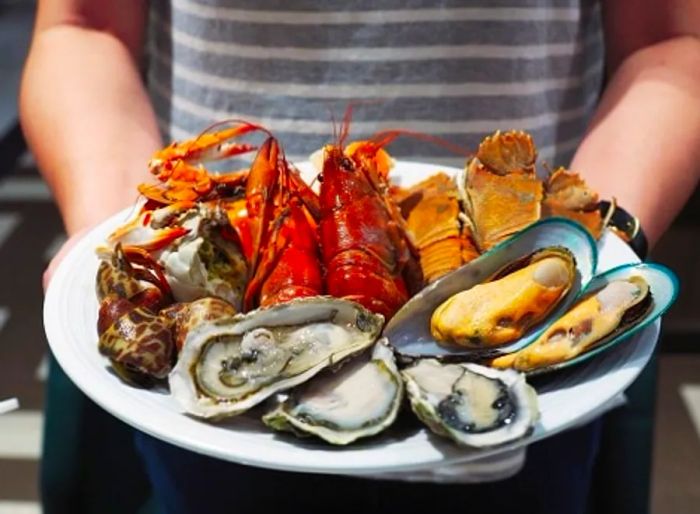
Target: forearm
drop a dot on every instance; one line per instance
(643, 146)
(88, 120)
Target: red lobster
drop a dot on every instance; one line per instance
(367, 253)
(281, 209)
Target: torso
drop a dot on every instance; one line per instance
(458, 69)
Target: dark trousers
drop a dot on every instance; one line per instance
(90, 466)
(555, 480)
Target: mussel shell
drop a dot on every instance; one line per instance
(409, 330)
(663, 287)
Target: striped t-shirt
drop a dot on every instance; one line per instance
(458, 69)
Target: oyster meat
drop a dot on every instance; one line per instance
(360, 399)
(473, 405)
(228, 366)
(504, 308)
(593, 320)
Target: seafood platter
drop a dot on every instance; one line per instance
(325, 310)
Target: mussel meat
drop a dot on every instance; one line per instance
(502, 309)
(592, 321)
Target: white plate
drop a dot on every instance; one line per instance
(70, 316)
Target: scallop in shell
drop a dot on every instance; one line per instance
(360, 399)
(226, 367)
(471, 404)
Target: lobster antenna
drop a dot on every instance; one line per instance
(345, 126)
(334, 125)
(547, 168)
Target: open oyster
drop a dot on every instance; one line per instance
(502, 309)
(360, 399)
(614, 304)
(409, 331)
(471, 404)
(227, 367)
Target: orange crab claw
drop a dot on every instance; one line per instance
(205, 147)
(167, 194)
(140, 234)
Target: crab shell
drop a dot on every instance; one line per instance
(202, 263)
(500, 189)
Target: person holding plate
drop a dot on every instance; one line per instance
(608, 88)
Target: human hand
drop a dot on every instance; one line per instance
(60, 255)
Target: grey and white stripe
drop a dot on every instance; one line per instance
(456, 69)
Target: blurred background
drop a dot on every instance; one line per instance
(30, 233)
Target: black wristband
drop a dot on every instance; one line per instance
(626, 226)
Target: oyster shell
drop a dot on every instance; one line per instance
(615, 305)
(409, 330)
(503, 308)
(471, 404)
(227, 367)
(360, 399)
